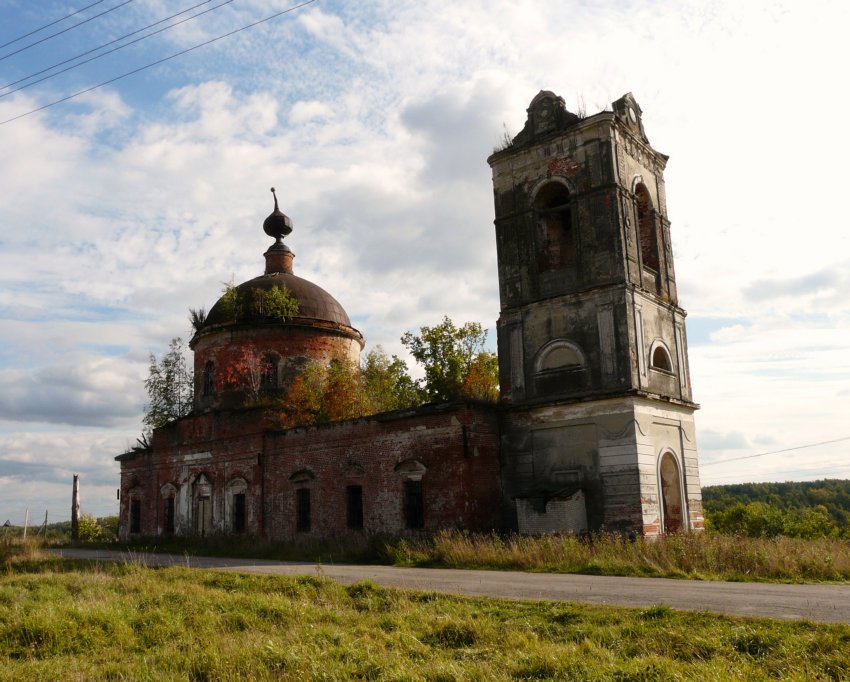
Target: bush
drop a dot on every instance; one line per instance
(89, 528)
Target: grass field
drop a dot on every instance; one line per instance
(61, 620)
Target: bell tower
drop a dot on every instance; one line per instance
(593, 361)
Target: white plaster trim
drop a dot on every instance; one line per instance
(658, 343)
(554, 345)
(194, 456)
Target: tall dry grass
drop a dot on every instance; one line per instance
(16, 550)
(693, 555)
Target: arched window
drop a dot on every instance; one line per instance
(202, 494)
(646, 226)
(237, 508)
(136, 494)
(209, 378)
(556, 248)
(168, 492)
(268, 379)
(659, 357)
(413, 500)
(559, 355)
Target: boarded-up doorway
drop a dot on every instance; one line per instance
(671, 493)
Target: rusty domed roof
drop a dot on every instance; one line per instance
(314, 303)
(247, 304)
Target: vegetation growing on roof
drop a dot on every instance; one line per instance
(240, 304)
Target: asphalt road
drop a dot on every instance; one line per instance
(823, 603)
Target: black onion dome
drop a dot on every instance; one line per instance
(314, 303)
(278, 224)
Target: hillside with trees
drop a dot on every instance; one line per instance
(806, 509)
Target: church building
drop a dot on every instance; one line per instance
(594, 429)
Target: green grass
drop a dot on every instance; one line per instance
(66, 621)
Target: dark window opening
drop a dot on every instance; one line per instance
(556, 248)
(239, 513)
(647, 227)
(209, 378)
(661, 359)
(268, 378)
(354, 506)
(135, 516)
(168, 525)
(414, 512)
(302, 504)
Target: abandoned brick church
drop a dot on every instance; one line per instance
(594, 429)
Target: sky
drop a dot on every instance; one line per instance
(127, 205)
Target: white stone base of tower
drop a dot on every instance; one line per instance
(631, 460)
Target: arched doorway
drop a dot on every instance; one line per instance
(203, 505)
(671, 494)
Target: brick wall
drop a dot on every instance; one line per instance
(450, 449)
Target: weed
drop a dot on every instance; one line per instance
(655, 612)
(452, 636)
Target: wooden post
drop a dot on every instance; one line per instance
(26, 522)
(75, 509)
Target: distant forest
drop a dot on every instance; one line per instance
(800, 509)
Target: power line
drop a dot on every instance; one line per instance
(52, 23)
(114, 49)
(64, 30)
(774, 452)
(158, 61)
(819, 471)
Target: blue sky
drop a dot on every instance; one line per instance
(123, 208)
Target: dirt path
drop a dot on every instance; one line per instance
(824, 603)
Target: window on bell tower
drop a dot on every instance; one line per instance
(556, 247)
(646, 226)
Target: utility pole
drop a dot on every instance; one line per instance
(75, 509)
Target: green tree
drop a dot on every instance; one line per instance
(170, 387)
(447, 354)
(386, 383)
(809, 523)
(754, 520)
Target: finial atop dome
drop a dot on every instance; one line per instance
(278, 224)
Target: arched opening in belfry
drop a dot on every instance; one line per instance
(671, 494)
(556, 247)
(646, 226)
